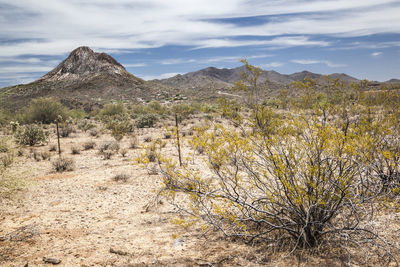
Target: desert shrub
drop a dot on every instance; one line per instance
(85, 125)
(133, 142)
(121, 177)
(151, 156)
(20, 152)
(94, 132)
(77, 113)
(75, 150)
(6, 159)
(62, 164)
(89, 145)
(36, 155)
(123, 152)
(52, 147)
(45, 155)
(113, 109)
(303, 190)
(5, 117)
(108, 148)
(4, 146)
(66, 129)
(147, 139)
(146, 121)
(10, 184)
(153, 107)
(30, 134)
(184, 111)
(119, 126)
(109, 145)
(379, 150)
(45, 110)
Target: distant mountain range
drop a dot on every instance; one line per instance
(87, 79)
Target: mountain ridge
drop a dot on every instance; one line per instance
(87, 79)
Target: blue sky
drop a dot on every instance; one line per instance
(160, 38)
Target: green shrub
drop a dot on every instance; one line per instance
(63, 164)
(85, 125)
(146, 121)
(119, 128)
(113, 109)
(184, 111)
(30, 134)
(45, 110)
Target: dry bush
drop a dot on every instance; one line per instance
(66, 129)
(52, 147)
(62, 164)
(94, 132)
(133, 142)
(6, 159)
(89, 145)
(123, 152)
(75, 150)
(121, 178)
(109, 145)
(10, 184)
(37, 155)
(151, 156)
(45, 155)
(108, 148)
(4, 146)
(147, 139)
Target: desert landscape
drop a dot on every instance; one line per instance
(199, 133)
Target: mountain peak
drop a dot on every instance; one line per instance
(83, 63)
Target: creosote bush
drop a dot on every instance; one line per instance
(147, 120)
(45, 110)
(62, 164)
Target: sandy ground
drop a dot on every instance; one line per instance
(84, 218)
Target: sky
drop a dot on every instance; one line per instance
(162, 38)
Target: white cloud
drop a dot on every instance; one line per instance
(161, 76)
(376, 54)
(210, 60)
(272, 65)
(134, 65)
(312, 61)
(56, 27)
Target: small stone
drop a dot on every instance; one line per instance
(51, 260)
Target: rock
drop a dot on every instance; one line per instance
(51, 260)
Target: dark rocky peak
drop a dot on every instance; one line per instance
(84, 63)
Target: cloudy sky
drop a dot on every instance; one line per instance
(160, 38)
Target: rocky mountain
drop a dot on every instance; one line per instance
(223, 78)
(87, 79)
(84, 79)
